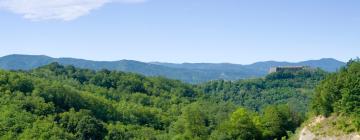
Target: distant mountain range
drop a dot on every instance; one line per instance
(188, 72)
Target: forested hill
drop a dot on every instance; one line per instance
(65, 102)
(337, 101)
(187, 72)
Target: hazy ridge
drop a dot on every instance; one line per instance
(187, 72)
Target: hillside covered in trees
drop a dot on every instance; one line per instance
(277, 88)
(338, 99)
(64, 102)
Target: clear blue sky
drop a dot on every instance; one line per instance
(236, 31)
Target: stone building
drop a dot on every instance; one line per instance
(286, 68)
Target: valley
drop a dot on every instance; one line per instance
(64, 102)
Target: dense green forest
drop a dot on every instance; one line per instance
(277, 88)
(64, 102)
(338, 97)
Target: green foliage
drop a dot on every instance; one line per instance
(119, 131)
(240, 126)
(64, 102)
(278, 120)
(45, 129)
(273, 123)
(259, 93)
(339, 94)
(194, 123)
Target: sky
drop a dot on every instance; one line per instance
(214, 31)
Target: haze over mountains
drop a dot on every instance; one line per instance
(188, 72)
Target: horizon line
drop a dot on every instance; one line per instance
(152, 62)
